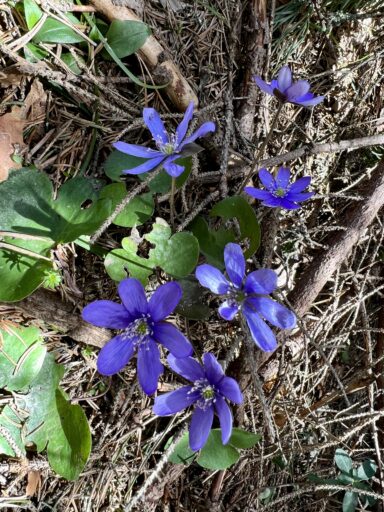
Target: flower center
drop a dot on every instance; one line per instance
(168, 148)
(140, 330)
(207, 393)
(280, 192)
(235, 297)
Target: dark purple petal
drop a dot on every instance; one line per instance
(146, 166)
(133, 297)
(267, 180)
(205, 128)
(200, 427)
(164, 300)
(174, 401)
(284, 79)
(300, 184)
(263, 85)
(172, 339)
(105, 313)
(282, 178)
(229, 388)
(275, 313)
(115, 355)
(212, 368)
(234, 263)
(297, 89)
(173, 169)
(135, 150)
(261, 333)
(155, 125)
(257, 193)
(288, 205)
(225, 418)
(228, 310)
(187, 367)
(300, 196)
(149, 367)
(181, 130)
(210, 277)
(262, 281)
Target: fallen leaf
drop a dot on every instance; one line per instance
(11, 138)
(33, 483)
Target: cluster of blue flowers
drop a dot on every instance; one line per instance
(142, 322)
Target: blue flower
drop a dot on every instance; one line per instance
(280, 192)
(142, 324)
(170, 147)
(209, 389)
(288, 92)
(248, 296)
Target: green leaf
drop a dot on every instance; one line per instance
(117, 162)
(350, 501)
(12, 424)
(211, 241)
(182, 453)
(345, 479)
(343, 461)
(243, 439)
(33, 53)
(54, 31)
(237, 207)
(127, 37)
(21, 357)
(366, 470)
(190, 305)
(70, 61)
(214, 455)
(177, 255)
(161, 184)
(136, 212)
(55, 424)
(32, 13)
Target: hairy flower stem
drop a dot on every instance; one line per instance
(172, 202)
(260, 152)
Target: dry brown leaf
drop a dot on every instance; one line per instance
(11, 135)
(33, 483)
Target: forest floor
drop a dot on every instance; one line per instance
(323, 388)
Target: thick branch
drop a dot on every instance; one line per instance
(153, 54)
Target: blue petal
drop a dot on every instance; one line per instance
(297, 89)
(212, 368)
(164, 300)
(261, 333)
(187, 367)
(225, 418)
(262, 281)
(229, 388)
(284, 79)
(133, 296)
(173, 169)
(149, 367)
(267, 180)
(263, 85)
(210, 277)
(105, 313)
(172, 339)
(155, 125)
(310, 102)
(263, 195)
(300, 196)
(135, 150)
(275, 313)
(173, 402)
(288, 205)
(146, 166)
(228, 310)
(200, 427)
(181, 130)
(234, 263)
(300, 184)
(115, 355)
(282, 178)
(200, 132)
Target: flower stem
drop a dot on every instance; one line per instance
(172, 202)
(260, 152)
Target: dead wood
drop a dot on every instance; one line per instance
(163, 69)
